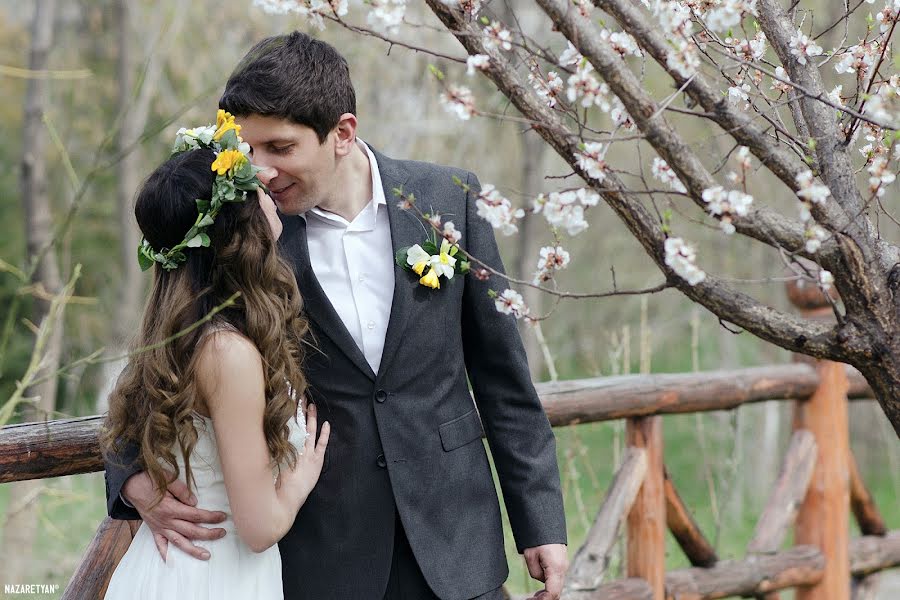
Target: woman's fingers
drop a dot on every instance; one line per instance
(323, 438)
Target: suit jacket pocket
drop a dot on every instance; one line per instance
(461, 430)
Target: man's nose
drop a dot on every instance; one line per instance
(267, 175)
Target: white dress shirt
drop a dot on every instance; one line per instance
(354, 263)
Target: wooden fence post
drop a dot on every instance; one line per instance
(646, 524)
(824, 517)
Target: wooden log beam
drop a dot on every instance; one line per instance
(592, 559)
(866, 512)
(626, 396)
(50, 449)
(621, 589)
(646, 523)
(685, 529)
(109, 545)
(758, 574)
(870, 554)
(824, 516)
(33, 450)
(790, 490)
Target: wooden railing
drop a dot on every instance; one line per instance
(818, 487)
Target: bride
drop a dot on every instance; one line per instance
(213, 401)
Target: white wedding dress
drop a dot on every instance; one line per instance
(233, 571)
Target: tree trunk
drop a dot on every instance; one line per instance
(129, 296)
(20, 527)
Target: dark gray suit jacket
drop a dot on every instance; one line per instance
(408, 438)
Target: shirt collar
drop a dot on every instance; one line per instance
(368, 216)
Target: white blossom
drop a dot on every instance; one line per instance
(681, 258)
(685, 59)
(553, 258)
(570, 56)
(458, 101)
(749, 50)
(810, 190)
(803, 47)
(510, 302)
(835, 95)
(584, 85)
(728, 14)
(815, 235)
(497, 210)
(889, 14)
(311, 10)
(662, 171)
(550, 89)
(726, 205)
(858, 58)
(619, 114)
(450, 233)
(477, 61)
(825, 279)
(736, 93)
(566, 209)
(495, 35)
(778, 84)
(590, 160)
(879, 176)
(386, 15)
(621, 42)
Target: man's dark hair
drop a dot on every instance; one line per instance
(294, 77)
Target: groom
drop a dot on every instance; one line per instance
(406, 505)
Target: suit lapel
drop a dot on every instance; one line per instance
(316, 304)
(406, 230)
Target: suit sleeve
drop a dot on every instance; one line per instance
(119, 467)
(522, 443)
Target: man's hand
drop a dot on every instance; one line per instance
(174, 519)
(548, 564)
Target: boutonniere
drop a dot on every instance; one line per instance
(431, 262)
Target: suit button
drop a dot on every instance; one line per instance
(380, 461)
(380, 396)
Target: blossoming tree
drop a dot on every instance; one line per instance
(823, 123)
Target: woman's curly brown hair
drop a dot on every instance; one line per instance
(155, 397)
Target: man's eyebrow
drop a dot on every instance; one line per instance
(278, 141)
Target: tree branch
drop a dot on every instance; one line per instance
(787, 331)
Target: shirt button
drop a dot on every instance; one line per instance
(371, 325)
(361, 277)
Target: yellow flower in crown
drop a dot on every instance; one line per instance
(228, 161)
(440, 261)
(225, 123)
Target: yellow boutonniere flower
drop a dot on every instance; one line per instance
(443, 263)
(431, 280)
(228, 160)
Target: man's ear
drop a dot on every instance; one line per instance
(345, 134)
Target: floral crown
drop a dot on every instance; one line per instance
(235, 176)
